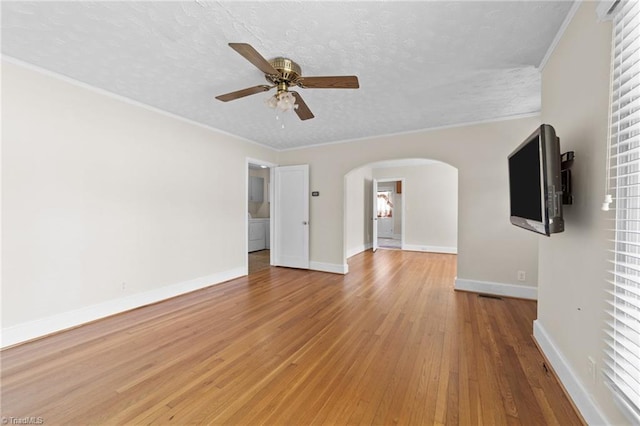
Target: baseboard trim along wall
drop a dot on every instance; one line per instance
(430, 249)
(571, 383)
(38, 328)
(497, 289)
(329, 267)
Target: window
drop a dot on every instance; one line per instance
(623, 327)
(385, 206)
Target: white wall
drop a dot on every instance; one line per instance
(571, 303)
(430, 197)
(358, 187)
(107, 205)
(97, 192)
(490, 249)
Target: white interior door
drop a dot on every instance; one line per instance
(374, 213)
(290, 241)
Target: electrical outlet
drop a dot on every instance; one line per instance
(522, 276)
(591, 368)
(124, 286)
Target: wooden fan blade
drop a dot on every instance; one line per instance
(333, 82)
(242, 93)
(252, 55)
(303, 110)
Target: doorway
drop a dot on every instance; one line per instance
(389, 212)
(258, 216)
(277, 218)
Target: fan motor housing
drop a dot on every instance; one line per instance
(289, 71)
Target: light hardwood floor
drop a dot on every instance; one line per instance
(389, 343)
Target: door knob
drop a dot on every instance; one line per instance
(305, 223)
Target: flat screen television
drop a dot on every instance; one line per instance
(535, 183)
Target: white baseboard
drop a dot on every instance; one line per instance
(41, 327)
(572, 384)
(497, 289)
(329, 267)
(430, 249)
(359, 249)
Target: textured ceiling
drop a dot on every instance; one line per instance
(420, 64)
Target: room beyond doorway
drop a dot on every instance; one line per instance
(388, 213)
(389, 243)
(259, 210)
(259, 261)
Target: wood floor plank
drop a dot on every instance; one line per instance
(389, 343)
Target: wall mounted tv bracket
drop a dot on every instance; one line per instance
(566, 161)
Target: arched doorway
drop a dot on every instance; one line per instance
(428, 196)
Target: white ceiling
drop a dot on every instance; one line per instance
(420, 64)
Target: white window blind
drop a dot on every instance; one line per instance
(623, 327)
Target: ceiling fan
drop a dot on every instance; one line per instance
(283, 73)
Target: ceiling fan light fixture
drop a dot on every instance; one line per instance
(283, 101)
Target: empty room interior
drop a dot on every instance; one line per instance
(291, 213)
